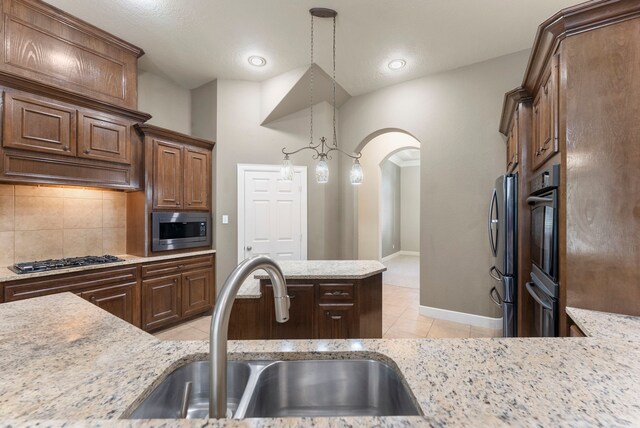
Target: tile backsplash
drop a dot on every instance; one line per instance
(39, 222)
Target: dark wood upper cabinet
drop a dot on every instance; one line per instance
(103, 137)
(513, 146)
(167, 175)
(545, 117)
(197, 178)
(35, 124)
(51, 47)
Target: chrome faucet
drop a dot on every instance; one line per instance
(220, 324)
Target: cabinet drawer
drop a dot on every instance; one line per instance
(39, 125)
(335, 292)
(26, 289)
(176, 266)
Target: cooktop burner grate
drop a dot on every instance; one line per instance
(52, 264)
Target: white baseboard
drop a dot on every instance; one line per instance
(461, 317)
(398, 254)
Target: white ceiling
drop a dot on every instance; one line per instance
(195, 41)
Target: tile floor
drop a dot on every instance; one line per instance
(400, 319)
(403, 271)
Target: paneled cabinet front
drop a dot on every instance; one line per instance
(197, 287)
(197, 178)
(336, 321)
(301, 313)
(162, 299)
(545, 116)
(120, 300)
(104, 138)
(167, 175)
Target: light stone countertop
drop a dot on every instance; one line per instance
(605, 324)
(8, 275)
(313, 269)
(68, 363)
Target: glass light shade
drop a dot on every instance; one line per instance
(322, 171)
(356, 173)
(286, 170)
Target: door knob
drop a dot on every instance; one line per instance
(249, 248)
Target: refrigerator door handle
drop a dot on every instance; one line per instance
(493, 273)
(536, 297)
(495, 297)
(491, 222)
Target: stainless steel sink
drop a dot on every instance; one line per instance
(165, 402)
(329, 388)
(285, 388)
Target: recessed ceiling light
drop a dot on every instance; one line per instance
(257, 61)
(397, 64)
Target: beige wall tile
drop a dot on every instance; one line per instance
(6, 213)
(6, 248)
(81, 193)
(82, 242)
(82, 213)
(33, 245)
(113, 194)
(6, 190)
(38, 213)
(47, 191)
(114, 241)
(114, 213)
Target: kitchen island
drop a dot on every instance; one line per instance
(330, 299)
(66, 362)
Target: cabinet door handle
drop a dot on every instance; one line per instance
(336, 293)
(187, 278)
(86, 152)
(175, 281)
(177, 203)
(292, 296)
(92, 299)
(333, 317)
(65, 148)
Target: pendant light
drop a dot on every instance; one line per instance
(322, 149)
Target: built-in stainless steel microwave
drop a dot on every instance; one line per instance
(178, 230)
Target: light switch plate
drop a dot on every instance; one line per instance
(225, 219)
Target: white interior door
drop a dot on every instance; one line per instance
(272, 213)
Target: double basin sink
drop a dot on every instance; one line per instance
(270, 389)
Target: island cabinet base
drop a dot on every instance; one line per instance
(320, 309)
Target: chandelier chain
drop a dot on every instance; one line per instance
(335, 137)
(311, 89)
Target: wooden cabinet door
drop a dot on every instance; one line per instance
(513, 145)
(120, 300)
(197, 178)
(161, 299)
(105, 138)
(545, 116)
(31, 123)
(167, 175)
(197, 292)
(301, 313)
(336, 321)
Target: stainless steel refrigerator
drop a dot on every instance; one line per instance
(503, 240)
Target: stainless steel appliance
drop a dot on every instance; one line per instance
(544, 288)
(503, 239)
(178, 230)
(53, 264)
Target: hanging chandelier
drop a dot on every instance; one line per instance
(322, 150)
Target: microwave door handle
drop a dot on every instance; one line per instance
(536, 297)
(492, 205)
(532, 200)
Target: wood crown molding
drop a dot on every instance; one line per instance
(156, 131)
(572, 20)
(511, 101)
(61, 15)
(37, 88)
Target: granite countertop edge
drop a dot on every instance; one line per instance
(605, 324)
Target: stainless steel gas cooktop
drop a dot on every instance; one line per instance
(52, 264)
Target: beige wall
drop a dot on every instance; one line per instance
(368, 223)
(410, 208)
(38, 222)
(455, 116)
(168, 102)
(241, 140)
(390, 204)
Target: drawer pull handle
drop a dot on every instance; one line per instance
(92, 299)
(333, 317)
(86, 152)
(65, 148)
(336, 293)
(292, 296)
